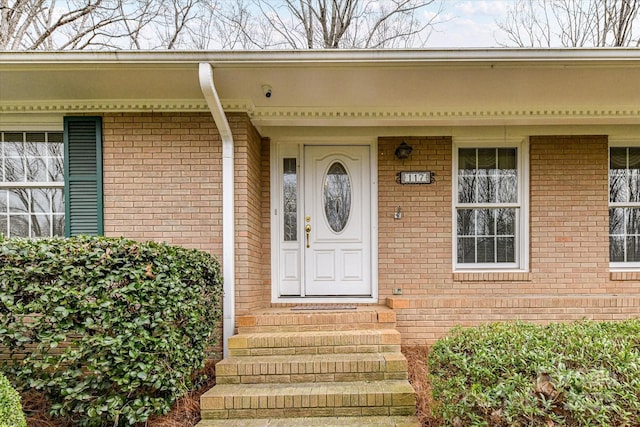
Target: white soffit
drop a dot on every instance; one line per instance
(339, 88)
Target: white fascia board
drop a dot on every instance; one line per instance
(311, 57)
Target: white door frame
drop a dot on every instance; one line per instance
(294, 148)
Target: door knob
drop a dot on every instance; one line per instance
(307, 229)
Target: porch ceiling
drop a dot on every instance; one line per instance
(338, 88)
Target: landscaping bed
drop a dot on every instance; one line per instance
(505, 374)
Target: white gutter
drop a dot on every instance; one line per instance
(306, 58)
(207, 85)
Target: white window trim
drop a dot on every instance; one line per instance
(620, 142)
(522, 220)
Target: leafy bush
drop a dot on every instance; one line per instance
(112, 329)
(519, 374)
(10, 410)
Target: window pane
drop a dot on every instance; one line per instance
(616, 248)
(19, 201)
(616, 221)
(618, 190)
(506, 222)
(18, 225)
(40, 225)
(633, 221)
(466, 222)
(57, 200)
(13, 169)
(486, 188)
(634, 174)
(290, 190)
(506, 249)
(633, 248)
(35, 137)
(58, 225)
(507, 159)
(467, 187)
(13, 149)
(467, 159)
(55, 137)
(41, 200)
(36, 169)
(634, 157)
(4, 201)
(13, 137)
(466, 250)
(3, 225)
(487, 159)
(55, 168)
(337, 196)
(507, 186)
(485, 222)
(486, 249)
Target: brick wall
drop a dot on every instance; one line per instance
(569, 269)
(163, 179)
(163, 182)
(252, 261)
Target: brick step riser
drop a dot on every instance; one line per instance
(338, 399)
(321, 368)
(368, 421)
(306, 378)
(314, 319)
(308, 340)
(314, 327)
(309, 412)
(283, 351)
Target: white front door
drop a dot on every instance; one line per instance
(337, 221)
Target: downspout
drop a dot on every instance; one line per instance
(228, 220)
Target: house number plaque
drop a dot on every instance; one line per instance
(415, 177)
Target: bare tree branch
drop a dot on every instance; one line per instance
(572, 23)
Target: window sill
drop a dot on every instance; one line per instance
(495, 276)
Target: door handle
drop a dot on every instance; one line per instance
(307, 229)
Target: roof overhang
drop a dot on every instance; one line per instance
(400, 88)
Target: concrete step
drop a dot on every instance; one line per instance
(380, 421)
(288, 319)
(312, 368)
(343, 399)
(317, 342)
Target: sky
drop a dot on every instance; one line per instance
(469, 23)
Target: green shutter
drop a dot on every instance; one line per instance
(83, 175)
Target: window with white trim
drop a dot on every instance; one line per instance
(31, 184)
(489, 211)
(624, 206)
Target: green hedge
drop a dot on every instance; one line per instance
(113, 329)
(519, 374)
(11, 414)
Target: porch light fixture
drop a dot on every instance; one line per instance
(403, 151)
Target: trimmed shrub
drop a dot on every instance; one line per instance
(111, 329)
(11, 414)
(520, 374)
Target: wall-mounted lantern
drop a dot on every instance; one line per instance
(403, 151)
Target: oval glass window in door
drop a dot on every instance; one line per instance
(337, 196)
